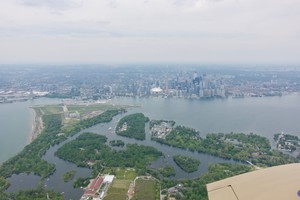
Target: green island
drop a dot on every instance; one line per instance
(91, 148)
(186, 163)
(116, 143)
(132, 126)
(236, 146)
(167, 171)
(54, 131)
(68, 176)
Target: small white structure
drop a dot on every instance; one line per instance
(156, 90)
(102, 195)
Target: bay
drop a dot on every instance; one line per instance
(16, 124)
(264, 116)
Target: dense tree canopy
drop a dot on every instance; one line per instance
(186, 163)
(237, 146)
(132, 126)
(91, 147)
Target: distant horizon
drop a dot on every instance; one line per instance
(183, 65)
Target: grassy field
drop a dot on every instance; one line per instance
(50, 109)
(144, 189)
(85, 109)
(119, 188)
(126, 174)
(82, 109)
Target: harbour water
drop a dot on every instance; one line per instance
(264, 116)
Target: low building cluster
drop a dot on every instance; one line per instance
(161, 130)
(286, 142)
(98, 187)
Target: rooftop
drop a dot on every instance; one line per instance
(109, 178)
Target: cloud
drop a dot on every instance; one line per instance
(53, 4)
(185, 2)
(226, 28)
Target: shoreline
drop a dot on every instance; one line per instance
(37, 125)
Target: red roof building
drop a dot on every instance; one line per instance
(94, 186)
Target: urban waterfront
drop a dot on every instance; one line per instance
(264, 116)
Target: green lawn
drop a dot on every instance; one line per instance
(127, 173)
(144, 189)
(115, 197)
(119, 188)
(50, 109)
(85, 109)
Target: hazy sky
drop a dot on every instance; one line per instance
(101, 31)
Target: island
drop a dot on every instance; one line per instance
(68, 176)
(186, 163)
(132, 126)
(91, 148)
(250, 148)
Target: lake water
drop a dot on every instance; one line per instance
(16, 124)
(264, 116)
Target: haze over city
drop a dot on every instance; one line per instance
(115, 31)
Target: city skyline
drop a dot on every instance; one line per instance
(194, 31)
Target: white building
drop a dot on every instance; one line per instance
(108, 179)
(156, 91)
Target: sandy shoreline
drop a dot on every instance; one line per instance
(37, 125)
